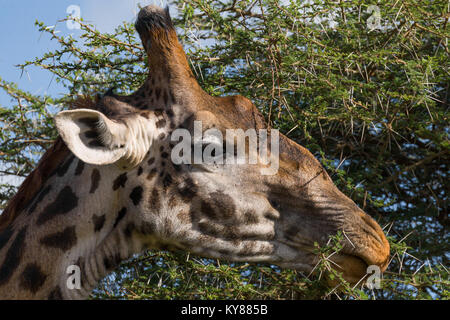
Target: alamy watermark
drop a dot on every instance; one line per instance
(74, 13)
(374, 21)
(374, 280)
(74, 279)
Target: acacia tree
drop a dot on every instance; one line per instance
(364, 86)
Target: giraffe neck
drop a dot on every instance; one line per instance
(167, 86)
(70, 222)
(169, 68)
(75, 219)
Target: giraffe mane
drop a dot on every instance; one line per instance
(49, 162)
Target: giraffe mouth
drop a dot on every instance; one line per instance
(355, 261)
(355, 268)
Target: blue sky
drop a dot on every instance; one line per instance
(22, 41)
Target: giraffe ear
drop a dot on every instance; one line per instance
(92, 136)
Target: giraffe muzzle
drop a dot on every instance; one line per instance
(366, 247)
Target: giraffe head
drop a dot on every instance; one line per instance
(232, 211)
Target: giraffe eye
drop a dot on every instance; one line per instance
(275, 204)
(210, 149)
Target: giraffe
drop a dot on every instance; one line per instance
(107, 189)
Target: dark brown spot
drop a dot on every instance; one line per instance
(188, 190)
(13, 257)
(207, 208)
(161, 136)
(139, 172)
(120, 181)
(32, 278)
(151, 161)
(136, 195)
(161, 123)
(164, 155)
(98, 221)
(64, 203)
(218, 206)
(95, 180)
(63, 240)
(250, 217)
(145, 115)
(167, 181)
(79, 168)
(120, 216)
(64, 167)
